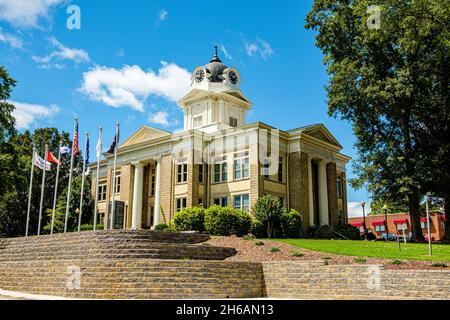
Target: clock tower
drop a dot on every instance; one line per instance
(215, 101)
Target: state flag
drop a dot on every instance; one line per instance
(40, 163)
(51, 157)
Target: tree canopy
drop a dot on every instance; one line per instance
(391, 83)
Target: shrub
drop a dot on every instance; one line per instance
(291, 224)
(191, 219)
(324, 232)
(297, 254)
(226, 221)
(268, 211)
(439, 265)
(275, 249)
(249, 237)
(258, 229)
(164, 227)
(259, 243)
(86, 227)
(397, 262)
(359, 260)
(311, 232)
(349, 231)
(100, 226)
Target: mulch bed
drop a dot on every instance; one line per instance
(249, 251)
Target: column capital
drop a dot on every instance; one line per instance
(157, 159)
(138, 164)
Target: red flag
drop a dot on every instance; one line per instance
(75, 140)
(51, 157)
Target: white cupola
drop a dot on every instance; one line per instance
(215, 101)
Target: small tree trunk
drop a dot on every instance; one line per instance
(414, 211)
(269, 230)
(447, 216)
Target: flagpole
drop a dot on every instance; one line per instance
(42, 190)
(99, 151)
(70, 181)
(82, 181)
(56, 187)
(29, 192)
(114, 176)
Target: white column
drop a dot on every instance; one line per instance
(310, 193)
(157, 193)
(323, 193)
(136, 216)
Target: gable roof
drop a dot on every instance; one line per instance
(145, 133)
(318, 131)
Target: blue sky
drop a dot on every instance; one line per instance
(62, 73)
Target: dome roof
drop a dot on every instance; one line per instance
(216, 68)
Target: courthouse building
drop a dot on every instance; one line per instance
(221, 159)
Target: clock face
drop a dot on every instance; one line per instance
(199, 76)
(233, 77)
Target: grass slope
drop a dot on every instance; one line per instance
(379, 249)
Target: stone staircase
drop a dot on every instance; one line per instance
(142, 264)
(299, 280)
(112, 245)
(122, 264)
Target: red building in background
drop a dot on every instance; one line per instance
(395, 222)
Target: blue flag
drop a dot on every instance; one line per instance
(86, 157)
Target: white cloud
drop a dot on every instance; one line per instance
(163, 15)
(26, 113)
(131, 86)
(355, 209)
(159, 117)
(11, 40)
(260, 48)
(62, 53)
(26, 13)
(225, 52)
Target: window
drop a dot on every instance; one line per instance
(201, 173)
(233, 122)
(182, 172)
(241, 166)
(424, 225)
(221, 171)
(361, 229)
(223, 202)
(379, 228)
(282, 201)
(401, 226)
(339, 187)
(198, 121)
(152, 191)
(101, 191)
(117, 183)
(200, 202)
(266, 168)
(280, 169)
(241, 202)
(101, 217)
(180, 204)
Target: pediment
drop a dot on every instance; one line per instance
(322, 133)
(145, 133)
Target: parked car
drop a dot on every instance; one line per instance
(390, 237)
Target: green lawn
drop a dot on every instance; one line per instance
(379, 249)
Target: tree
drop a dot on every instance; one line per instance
(14, 200)
(268, 211)
(384, 82)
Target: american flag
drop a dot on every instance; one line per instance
(75, 140)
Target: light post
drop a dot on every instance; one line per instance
(386, 230)
(430, 251)
(363, 205)
(77, 211)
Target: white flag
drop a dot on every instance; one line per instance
(99, 148)
(39, 162)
